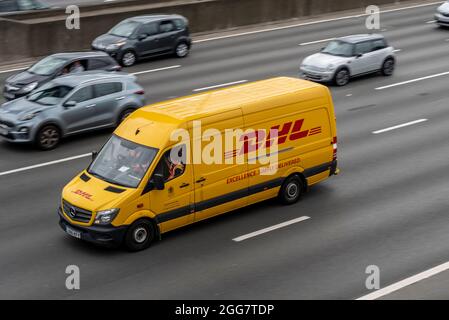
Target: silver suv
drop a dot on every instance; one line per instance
(69, 105)
(348, 57)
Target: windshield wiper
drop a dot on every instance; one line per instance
(107, 180)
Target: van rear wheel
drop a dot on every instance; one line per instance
(291, 190)
(140, 235)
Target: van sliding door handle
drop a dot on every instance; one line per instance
(201, 180)
(184, 185)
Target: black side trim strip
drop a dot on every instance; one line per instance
(318, 169)
(84, 177)
(114, 189)
(173, 214)
(206, 204)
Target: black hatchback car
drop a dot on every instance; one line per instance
(146, 36)
(53, 66)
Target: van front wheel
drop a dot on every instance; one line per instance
(140, 235)
(291, 190)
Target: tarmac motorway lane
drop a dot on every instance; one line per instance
(386, 208)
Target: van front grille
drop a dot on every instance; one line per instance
(76, 213)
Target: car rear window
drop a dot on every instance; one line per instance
(166, 26)
(180, 24)
(379, 44)
(104, 89)
(98, 63)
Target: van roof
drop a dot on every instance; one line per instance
(203, 104)
(153, 125)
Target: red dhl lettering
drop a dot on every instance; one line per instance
(83, 194)
(255, 140)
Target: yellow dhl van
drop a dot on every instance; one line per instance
(144, 182)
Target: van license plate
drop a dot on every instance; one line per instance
(73, 233)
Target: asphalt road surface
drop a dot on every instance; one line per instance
(388, 207)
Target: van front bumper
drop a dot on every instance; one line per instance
(103, 235)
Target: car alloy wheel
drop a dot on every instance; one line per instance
(182, 50)
(342, 77)
(48, 137)
(388, 67)
(128, 59)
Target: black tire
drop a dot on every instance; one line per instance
(125, 114)
(182, 50)
(291, 190)
(139, 235)
(388, 67)
(341, 77)
(48, 137)
(128, 58)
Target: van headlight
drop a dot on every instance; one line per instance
(30, 87)
(106, 216)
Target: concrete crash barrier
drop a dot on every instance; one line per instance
(41, 33)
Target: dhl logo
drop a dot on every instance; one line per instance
(257, 139)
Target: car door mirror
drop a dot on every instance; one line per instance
(70, 104)
(94, 155)
(157, 181)
(359, 55)
(142, 36)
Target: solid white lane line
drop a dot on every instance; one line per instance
(265, 230)
(12, 70)
(155, 70)
(312, 23)
(413, 80)
(4, 173)
(406, 282)
(431, 21)
(399, 126)
(397, 50)
(220, 85)
(314, 42)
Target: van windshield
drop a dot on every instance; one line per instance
(122, 162)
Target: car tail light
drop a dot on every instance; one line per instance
(334, 147)
(140, 92)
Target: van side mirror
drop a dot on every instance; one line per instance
(359, 55)
(157, 182)
(70, 104)
(94, 155)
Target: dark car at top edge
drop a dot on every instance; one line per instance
(146, 36)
